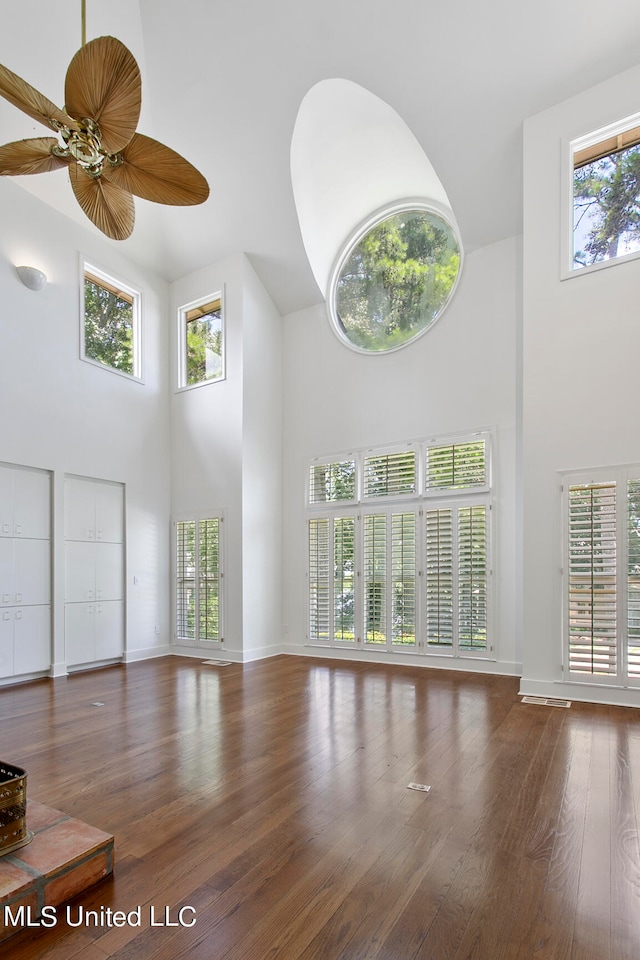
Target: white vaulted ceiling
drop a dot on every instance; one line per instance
(223, 81)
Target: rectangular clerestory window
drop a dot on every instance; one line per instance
(111, 323)
(201, 353)
(605, 170)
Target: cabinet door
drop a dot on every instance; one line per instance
(109, 512)
(109, 630)
(6, 501)
(79, 509)
(32, 640)
(79, 626)
(7, 572)
(32, 504)
(32, 571)
(80, 573)
(6, 643)
(109, 572)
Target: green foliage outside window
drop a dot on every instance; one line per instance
(108, 327)
(606, 204)
(204, 347)
(397, 280)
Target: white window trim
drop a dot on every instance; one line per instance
(89, 266)
(198, 643)
(181, 352)
(569, 148)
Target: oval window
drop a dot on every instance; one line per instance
(394, 279)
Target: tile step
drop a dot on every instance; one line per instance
(64, 858)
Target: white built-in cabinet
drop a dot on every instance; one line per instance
(25, 571)
(94, 570)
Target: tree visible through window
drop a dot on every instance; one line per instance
(606, 199)
(110, 323)
(396, 280)
(202, 347)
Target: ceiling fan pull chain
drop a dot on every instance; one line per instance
(84, 22)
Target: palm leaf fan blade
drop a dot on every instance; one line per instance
(26, 98)
(106, 205)
(155, 172)
(30, 156)
(103, 84)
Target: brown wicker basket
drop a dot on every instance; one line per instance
(13, 808)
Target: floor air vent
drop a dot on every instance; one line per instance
(547, 701)
(216, 663)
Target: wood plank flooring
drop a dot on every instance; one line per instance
(272, 798)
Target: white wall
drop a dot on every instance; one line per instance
(68, 416)
(226, 452)
(581, 342)
(262, 471)
(460, 376)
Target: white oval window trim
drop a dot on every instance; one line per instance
(372, 221)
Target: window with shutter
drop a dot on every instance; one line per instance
(390, 474)
(381, 577)
(319, 580)
(198, 582)
(456, 466)
(592, 579)
(332, 482)
(456, 577)
(602, 574)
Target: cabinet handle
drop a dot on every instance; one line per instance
(5, 528)
(99, 534)
(18, 614)
(89, 594)
(18, 528)
(6, 615)
(6, 597)
(89, 534)
(18, 598)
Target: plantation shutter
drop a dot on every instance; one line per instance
(592, 579)
(375, 578)
(439, 577)
(209, 580)
(319, 580)
(332, 482)
(456, 466)
(186, 580)
(403, 579)
(343, 578)
(472, 576)
(633, 579)
(390, 474)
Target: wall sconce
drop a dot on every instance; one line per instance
(31, 277)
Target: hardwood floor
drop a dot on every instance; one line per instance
(272, 798)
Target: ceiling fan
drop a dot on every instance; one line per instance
(108, 162)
